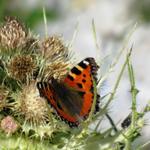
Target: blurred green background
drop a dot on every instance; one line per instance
(29, 12)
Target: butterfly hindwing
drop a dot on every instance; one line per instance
(66, 101)
(67, 97)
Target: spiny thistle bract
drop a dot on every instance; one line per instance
(26, 119)
(3, 97)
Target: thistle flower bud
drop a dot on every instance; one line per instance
(12, 34)
(57, 70)
(32, 106)
(53, 48)
(21, 67)
(56, 55)
(9, 125)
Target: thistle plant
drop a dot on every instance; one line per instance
(27, 121)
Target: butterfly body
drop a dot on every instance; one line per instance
(73, 97)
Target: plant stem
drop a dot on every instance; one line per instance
(128, 145)
(45, 22)
(111, 122)
(74, 35)
(97, 46)
(144, 145)
(118, 79)
(134, 92)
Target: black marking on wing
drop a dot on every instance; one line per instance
(81, 93)
(97, 107)
(79, 85)
(59, 106)
(40, 87)
(83, 65)
(84, 75)
(94, 67)
(83, 80)
(70, 77)
(92, 89)
(76, 71)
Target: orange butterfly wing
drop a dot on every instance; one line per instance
(79, 78)
(48, 93)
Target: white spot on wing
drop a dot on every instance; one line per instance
(39, 85)
(85, 62)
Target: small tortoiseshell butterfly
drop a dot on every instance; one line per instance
(72, 98)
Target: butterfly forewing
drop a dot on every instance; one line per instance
(81, 78)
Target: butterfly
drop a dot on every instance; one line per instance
(73, 97)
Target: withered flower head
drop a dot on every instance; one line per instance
(12, 34)
(57, 70)
(56, 54)
(32, 106)
(21, 67)
(53, 48)
(9, 125)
